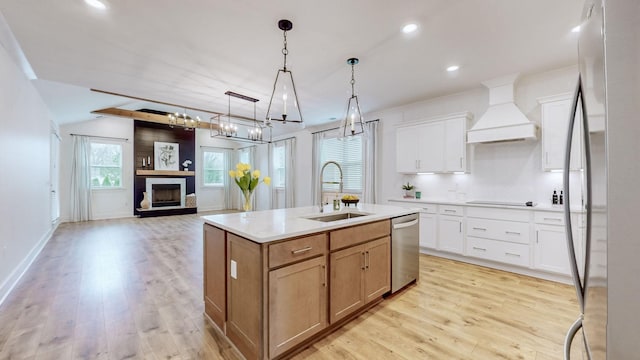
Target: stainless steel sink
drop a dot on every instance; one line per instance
(336, 217)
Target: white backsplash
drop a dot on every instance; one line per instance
(500, 172)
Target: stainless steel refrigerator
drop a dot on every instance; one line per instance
(604, 237)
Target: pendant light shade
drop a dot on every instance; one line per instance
(353, 123)
(284, 105)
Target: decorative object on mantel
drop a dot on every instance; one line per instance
(190, 200)
(247, 181)
(183, 120)
(284, 89)
(408, 190)
(166, 155)
(144, 204)
(186, 164)
(222, 126)
(353, 119)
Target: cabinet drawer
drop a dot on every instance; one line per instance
(498, 214)
(358, 234)
(498, 230)
(451, 210)
(297, 249)
(550, 218)
(501, 251)
(428, 208)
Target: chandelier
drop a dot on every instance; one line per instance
(284, 105)
(246, 129)
(183, 120)
(353, 124)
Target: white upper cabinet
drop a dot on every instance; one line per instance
(555, 124)
(435, 145)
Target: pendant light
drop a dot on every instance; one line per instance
(284, 105)
(353, 123)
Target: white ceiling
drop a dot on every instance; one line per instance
(190, 52)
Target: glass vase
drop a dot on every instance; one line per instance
(247, 200)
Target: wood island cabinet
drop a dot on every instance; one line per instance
(214, 275)
(270, 299)
(359, 273)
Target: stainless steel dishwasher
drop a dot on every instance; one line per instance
(405, 247)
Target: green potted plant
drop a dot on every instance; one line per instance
(408, 190)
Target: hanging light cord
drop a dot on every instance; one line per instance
(353, 81)
(285, 51)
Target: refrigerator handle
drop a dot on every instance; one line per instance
(589, 194)
(573, 262)
(573, 330)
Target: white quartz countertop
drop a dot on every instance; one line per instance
(537, 207)
(269, 225)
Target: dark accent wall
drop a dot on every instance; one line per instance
(145, 134)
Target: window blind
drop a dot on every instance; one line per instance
(348, 153)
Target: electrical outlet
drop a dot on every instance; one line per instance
(234, 269)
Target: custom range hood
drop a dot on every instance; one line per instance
(502, 121)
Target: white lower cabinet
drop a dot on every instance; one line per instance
(550, 245)
(428, 229)
(499, 235)
(450, 229)
(551, 249)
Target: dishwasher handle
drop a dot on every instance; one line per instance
(405, 224)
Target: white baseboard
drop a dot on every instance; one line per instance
(25, 264)
(541, 274)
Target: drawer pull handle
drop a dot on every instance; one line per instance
(554, 219)
(512, 232)
(300, 251)
(479, 248)
(477, 228)
(512, 254)
(449, 210)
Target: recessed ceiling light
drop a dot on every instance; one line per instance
(96, 4)
(453, 68)
(409, 28)
(576, 29)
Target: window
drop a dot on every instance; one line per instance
(106, 165)
(348, 153)
(213, 171)
(279, 166)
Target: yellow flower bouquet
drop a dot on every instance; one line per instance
(247, 181)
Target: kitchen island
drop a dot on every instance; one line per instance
(275, 281)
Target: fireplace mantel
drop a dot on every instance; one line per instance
(165, 173)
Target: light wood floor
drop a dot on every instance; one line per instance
(132, 289)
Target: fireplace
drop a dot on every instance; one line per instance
(166, 193)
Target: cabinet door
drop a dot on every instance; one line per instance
(555, 123)
(450, 234)
(346, 282)
(407, 149)
(431, 147)
(297, 303)
(377, 268)
(551, 249)
(428, 228)
(455, 145)
(215, 275)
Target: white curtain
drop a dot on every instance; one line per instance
(230, 186)
(369, 160)
(81, 179)
(289, 170)
(315, 160)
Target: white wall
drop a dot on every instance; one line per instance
(25, 215)
(106, 203)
